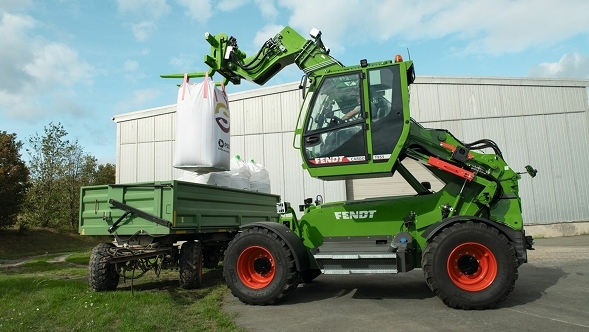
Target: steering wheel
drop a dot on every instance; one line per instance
(332, 120)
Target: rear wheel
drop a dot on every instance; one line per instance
(470, 266)
(259, 268)
(190, 265)
(102, 276)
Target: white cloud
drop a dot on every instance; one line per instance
(57, 63)
(139, 99)
(7, 5)
(266, 33)
(33, 71)
(143, 30)
(486, 26)
(131, 65)
(15, 51)
(200, 10)
(149, 11)
(183, 63)
(267, 9)
(229, 5)
(571, 65)
(152, 9)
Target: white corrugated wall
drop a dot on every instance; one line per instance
(540, 122)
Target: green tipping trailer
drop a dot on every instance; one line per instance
(151, 220)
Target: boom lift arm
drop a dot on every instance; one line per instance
(286, 48)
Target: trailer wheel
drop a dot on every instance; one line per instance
(259, 267)
(101, 275)
(190, 260)
(210, 258)
(470, 266)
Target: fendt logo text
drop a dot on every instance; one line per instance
(355, 214)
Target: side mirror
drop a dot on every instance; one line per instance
(531, 171)
(319, 200)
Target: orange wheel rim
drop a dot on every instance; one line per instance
(472, 266)
(255, 267)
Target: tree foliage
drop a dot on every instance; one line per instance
(59, 167)
(14, 179)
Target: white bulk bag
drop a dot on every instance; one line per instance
(240, 175)
(260, 178)
(202, 128)
(221, 179)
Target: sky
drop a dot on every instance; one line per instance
(81, 62)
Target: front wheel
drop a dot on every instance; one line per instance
(259, 267)
(470, 266)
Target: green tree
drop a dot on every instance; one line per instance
(105, 174)
(58, 168)
(14, 179)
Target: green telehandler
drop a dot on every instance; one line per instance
(355, 122)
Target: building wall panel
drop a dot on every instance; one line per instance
(145, 162)
(511, 99)
(428, 105)
(164, 127)
(252, 112)
(274, 161)
(237, 122)
(293, 180)
(290, 102)
(491, 105)
(254, 148)
(163, 154)
(578, 130)
(543, 186)
(146, 129)
(128, 131)
(449, 102)
(469, 97)
(128, 169)
(565, 205)
(532, 98)
(237, 145)
(272, 113)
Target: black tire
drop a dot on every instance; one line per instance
(470, 266)
(101, 275)
(309, 275)
(190, 261)
(259, 267)
(210, 258)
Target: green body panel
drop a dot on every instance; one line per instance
(190, 207)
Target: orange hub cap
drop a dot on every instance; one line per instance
(255, 267)
(472, 266)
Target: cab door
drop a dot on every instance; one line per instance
(330, 138)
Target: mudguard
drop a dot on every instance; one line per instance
(293, 242)
(435, 228)
(513, 236)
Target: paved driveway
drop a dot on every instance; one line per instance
(551, 294)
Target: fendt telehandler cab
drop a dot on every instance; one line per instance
(355, 122)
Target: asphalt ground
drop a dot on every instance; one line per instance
(551, 294)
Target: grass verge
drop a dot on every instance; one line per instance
(51, 293)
